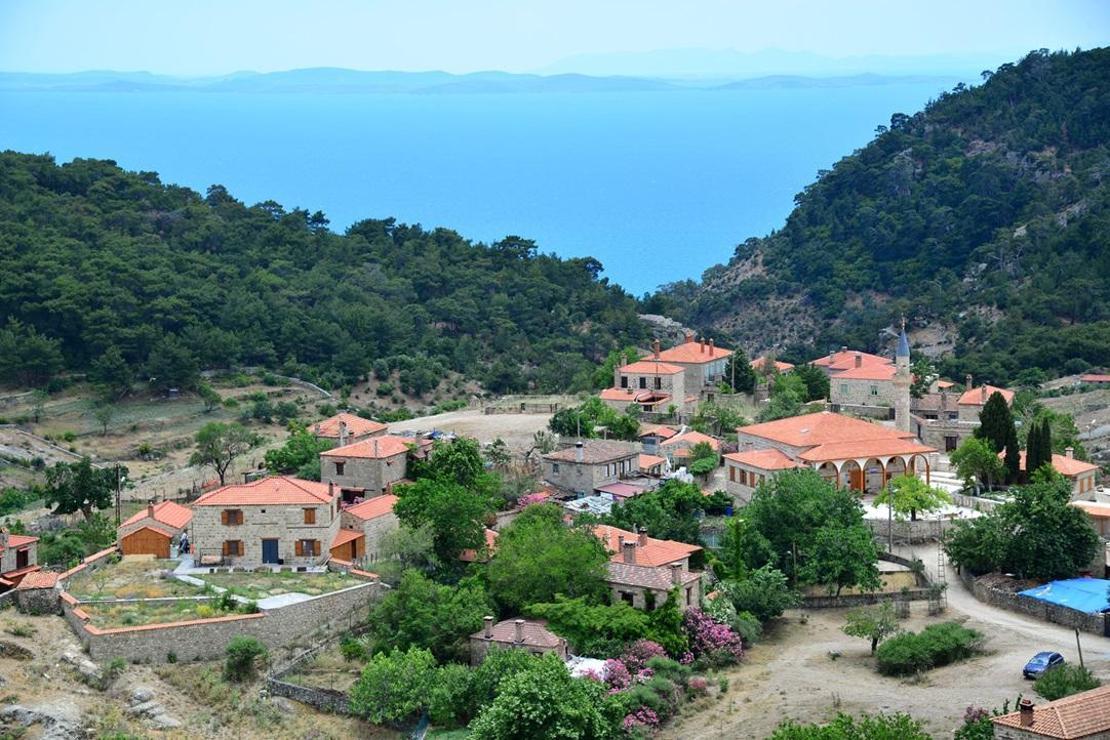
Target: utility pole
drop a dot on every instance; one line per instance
(119, 486)
(890, 525)
(1079, 648)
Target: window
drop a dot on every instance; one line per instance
(843, 389)
(624, 381)
(339, 467)
(233, 547)
(951, 443)
(658, 384)
(874, 390)
(554, 468)
(643, 382)
(731, 474)
(231, 517)
(310, 516)
(304, 548)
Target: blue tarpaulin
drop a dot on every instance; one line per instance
(1087, 595)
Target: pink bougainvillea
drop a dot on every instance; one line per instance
(640, 652)
(643, 717)
(698, 685)
(617, 675)
(532, 498)
(711, 643)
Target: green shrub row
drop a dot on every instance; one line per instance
(936, 645)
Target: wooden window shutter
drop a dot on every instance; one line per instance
(298, 548)
(227, 548)
(310, 516)
(239, 546)
(316, 547)
(224, 517)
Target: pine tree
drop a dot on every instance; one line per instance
(739, 373)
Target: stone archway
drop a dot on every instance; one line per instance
(915, 468)
(851, 476)
(829, 472)
(874, 475)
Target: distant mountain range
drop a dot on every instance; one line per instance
(340, 81)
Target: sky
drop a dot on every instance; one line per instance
(204, 37)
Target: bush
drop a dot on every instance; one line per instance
(1065, 680)
(352, 649)
(449, 698)
(394, 686)
(844, 727)
(243, 655)
(936, 645)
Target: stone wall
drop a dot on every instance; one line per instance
(977, 503)
(374, 475)
(583, 478)
(914, 532)
(857, 393)
(326, 700)
(1001, 591)
(37, 601)
(283, 630)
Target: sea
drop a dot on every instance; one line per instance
(656, 185)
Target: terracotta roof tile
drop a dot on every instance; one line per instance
(375, 448)
(169, 513)
(343, 536)
(373, 508)
(647, 462)
(471, 555)
(275, 490)
(1073, 717)
(634, 395)
(689, 439)
(356, 426)
(38, 579)
(692, 353)
(653, 553)
(1094, 509)
(760, 362)
(822, 427)
(657, 430)
(846, 358)
(1066, 466)
(657, 578)
(594, 451)
(650, 367)
(1095, 378)
(770, 459)
(533, 634)
(868, 372)
(978, 396)
(19, 540)
(865, 448)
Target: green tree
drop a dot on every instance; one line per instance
(874, 623)
(38, 403)
(459, 462)
(815, 380)
(498, 453)
(844, 727)
(599, 630)
(670, 512)
(739, 373)
(544, 703)
(455, 514)
(172, 365)
(26, 356)
(1065, 680)
(788, 393)
(602, 377)
(908, 494)
(218, 444)
(79, 486)
(421, 613)
(703, 459)
(209, 396)
(923, 372)
(243, 654)
(977, 463)
(538, 557)
(394, 686)
(299, 453)
(996, 426)
(843, 555)
(103, 412)
(765, 593)
(112, 375)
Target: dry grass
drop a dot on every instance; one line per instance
(329, 670)
(130, 579)
(136, 613)
(257, 586)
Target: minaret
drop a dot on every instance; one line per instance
(902, 381)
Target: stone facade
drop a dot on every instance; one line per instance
(603, 463)
(284, 523)
(652, 385)
(374, 531)
(16, 556)
(515, 634)
(368, 476)
(870, 396)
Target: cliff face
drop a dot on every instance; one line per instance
(984, 218)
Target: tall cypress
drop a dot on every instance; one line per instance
(996, 423)
(1012, 459)
(1032, 448)
(1045, 443)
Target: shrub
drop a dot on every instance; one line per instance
(243, 655)
(1065, 680)
(394, 686)
(876, 727)
(936, 645)
(637, 655)
(449, 698)
(352, 649)
(712, 644)
(617, 675)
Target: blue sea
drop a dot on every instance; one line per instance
(656, 185)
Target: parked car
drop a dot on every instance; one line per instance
(1040, 663)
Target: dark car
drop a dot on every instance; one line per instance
(1040, 663)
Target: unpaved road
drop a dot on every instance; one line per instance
(791, 673)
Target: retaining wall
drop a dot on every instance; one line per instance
(921, 593)
(985, 505)
(913, 532)
(992, 589)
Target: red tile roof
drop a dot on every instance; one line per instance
(977, 397)
(759, 363)
(375, 448)
(621, 489)
(1094, 378)
(274, 490)
(647, 462)
(38, 579)
(1066, 466)
(1073, 717)
(650, 367)
(687, 440)
(864, 449)
(1094, 509)
(343, 536)
(655, 578)
(653, 552)
(471, 555)
(846, 358)
(657, 430)
(356, 426)
(868, 372)
(594, 452)
(19, 540)
(822, 427)
(763, 459)
(373, 508)
(692, 353)
(533, 634)
(173, 515)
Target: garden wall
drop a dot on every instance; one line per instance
(912, 532)
(921, 593)
(1001, 591)
(283, 629)
(985, 505)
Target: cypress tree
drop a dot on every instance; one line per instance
(1012, 459)
(996, 423)
(1032, 448)
(1045, 443)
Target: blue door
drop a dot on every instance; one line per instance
(270, 551)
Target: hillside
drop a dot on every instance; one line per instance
(985, 219)
(99, 263)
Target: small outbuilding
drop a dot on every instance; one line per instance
(152, 530)
(522, 634)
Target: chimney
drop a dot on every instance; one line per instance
(643, 537)
(676, 574)
(150, 510)
(4, 538)
(843, 348)
(859, 360)
(1025, 706)
(342, 434)
(983, 393)
(944, 398)
(967, 382)
(518, 631)
(620, 543)
(488, 633)
(375, 447)
(628, 552)
(579, 454)
(710, 346)
(701, 346)
(316, 429)
(656, 347)
(689, 337)
(1069, 452)
(331, 489)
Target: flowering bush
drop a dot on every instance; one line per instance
(698, 685)
(643, 717)
(644, 674)
(711, 643)
(617, 675)
(532, 498)
(640, 652)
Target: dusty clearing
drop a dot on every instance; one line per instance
(515, 429)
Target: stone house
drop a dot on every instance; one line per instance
(18, 557)
(653, 385)
(368, 468)
(746, 470)
(846, 359)
(589, 465)
(37, 593)
(846, 451)
(277, 520)
(643, 570)
(678, 448)
(703, 362)
(1083, 716)
(944, 420)
(371, 520)
(864, 389)
(345, 428)
(152, 530)
(1081, 476)
(518, 634)
(653, 435)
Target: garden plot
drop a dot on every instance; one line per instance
(268, 584)
(134, 577)
(329, 669)
(111, 614)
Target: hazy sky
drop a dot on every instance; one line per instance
(216, 36)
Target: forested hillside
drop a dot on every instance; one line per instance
(97, 263)
(985, 219)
